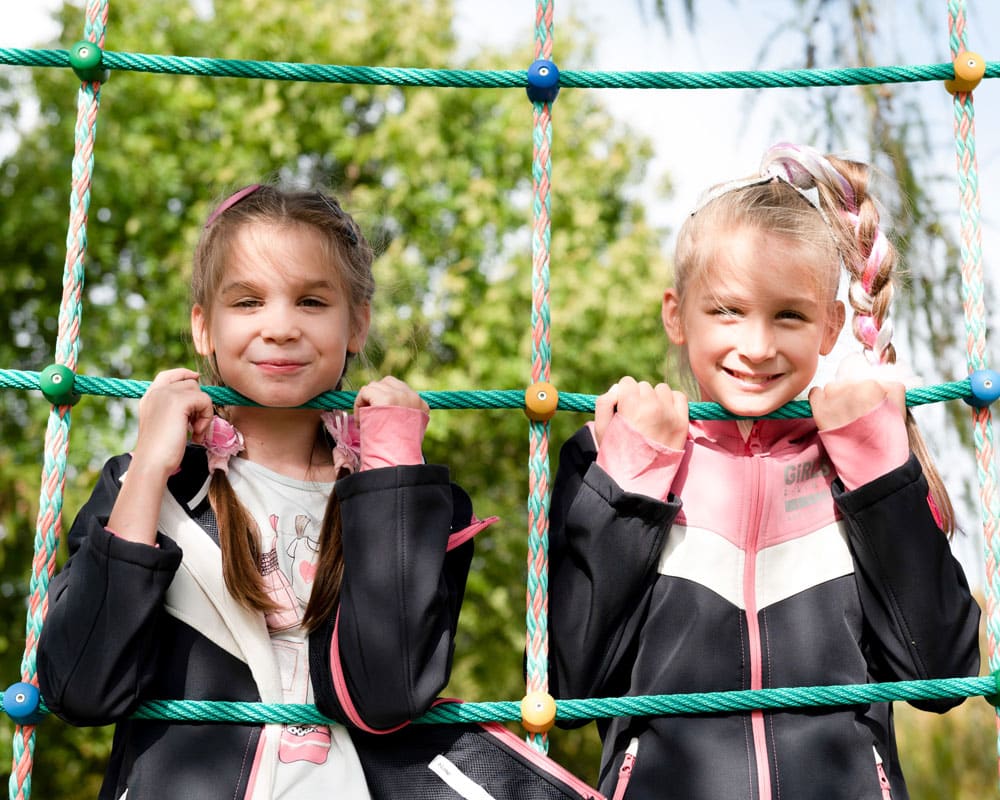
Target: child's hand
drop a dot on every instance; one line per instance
(173, 405)
(657, 412)
(842, 402)
(389, 391)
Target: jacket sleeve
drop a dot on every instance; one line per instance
(386, 654)
(604, 546)
(919, 612)
(98, 647)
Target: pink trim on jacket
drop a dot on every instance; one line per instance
(474, 527)
(340, 686)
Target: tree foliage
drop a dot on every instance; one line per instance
(440, 178)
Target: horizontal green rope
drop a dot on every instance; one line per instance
(504, 711)
(411, 76)
(595, 708)
(480, 398)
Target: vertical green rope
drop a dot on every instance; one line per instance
(538, 458)
(49, 521)
(975, 325)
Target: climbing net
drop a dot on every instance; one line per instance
(62, 387)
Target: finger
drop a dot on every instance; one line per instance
(174, 376)
(604, 410)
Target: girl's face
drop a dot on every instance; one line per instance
(757, 323)
(279, 326)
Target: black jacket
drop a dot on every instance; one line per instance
(129, 623)
(760, 571)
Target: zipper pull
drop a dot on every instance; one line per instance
(625, 770)
(883, 779)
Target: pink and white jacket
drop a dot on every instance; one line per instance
(786, 558)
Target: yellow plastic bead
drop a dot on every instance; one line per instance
(538, 712)
(969, 71)
(541, 401)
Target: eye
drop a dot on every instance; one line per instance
(314, 302)
(792, 314)
(725, 311)
(246, 302)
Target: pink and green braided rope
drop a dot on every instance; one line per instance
(539, 474)
(974, 309)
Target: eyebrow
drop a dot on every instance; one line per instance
(247, 286)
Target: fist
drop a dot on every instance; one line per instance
(842, 402)
(658, 412)
(389, 391)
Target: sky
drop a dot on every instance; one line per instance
(703, 137)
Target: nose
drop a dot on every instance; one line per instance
(279, 324)
(757, 341)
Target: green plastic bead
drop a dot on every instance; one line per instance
(86, 58)
(56, 383)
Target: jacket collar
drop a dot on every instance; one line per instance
(766, 437)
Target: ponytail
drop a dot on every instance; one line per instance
(870, 260)
(238, 541)
(329, 568)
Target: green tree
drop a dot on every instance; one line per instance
(440, 177)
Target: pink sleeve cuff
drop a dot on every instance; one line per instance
(391, 436)
(637, 464)
(869, 447)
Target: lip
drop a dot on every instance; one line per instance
(278, 365)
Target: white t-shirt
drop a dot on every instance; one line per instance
(314, 761)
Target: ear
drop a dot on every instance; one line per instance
(199, 332)
(834, 325)
(361, 323)
(673, 322)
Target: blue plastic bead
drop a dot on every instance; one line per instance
(985, 385)
(21, 702)
(543, 81)
(56, 382)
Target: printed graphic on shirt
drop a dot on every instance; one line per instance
(303, 551)
(299, 742)
(287, 614)
(806, 483)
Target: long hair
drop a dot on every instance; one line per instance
(350, 256)
(823, 204)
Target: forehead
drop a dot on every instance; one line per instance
(265, 252)
(759, 264)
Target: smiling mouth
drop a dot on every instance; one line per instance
(755, 380)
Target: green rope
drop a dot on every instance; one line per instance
(478, 398)
(596, 708)
(411, 76)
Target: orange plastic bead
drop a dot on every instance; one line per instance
(541, 401)
(538, 712)
(969, 71)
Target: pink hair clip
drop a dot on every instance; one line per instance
(231, 201)
(222, 441)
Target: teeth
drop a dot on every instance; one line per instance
(747, 378)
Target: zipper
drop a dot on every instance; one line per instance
(883, 779)
(757, 493)
(625, 770)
